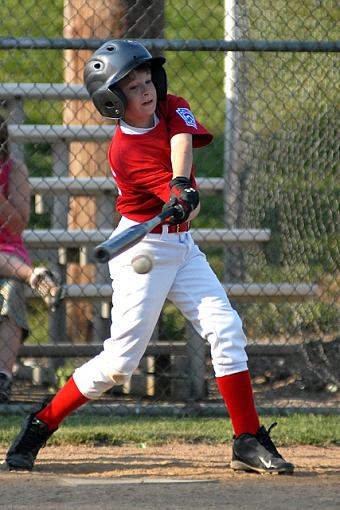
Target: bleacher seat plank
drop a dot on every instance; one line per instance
(239, 292)
(56, 238)
(96, 185)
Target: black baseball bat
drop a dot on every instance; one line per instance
(129, 237)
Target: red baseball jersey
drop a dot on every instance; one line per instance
(141, 163)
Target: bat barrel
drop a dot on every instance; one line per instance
(128, 238)
(119, 243)
(101, 254)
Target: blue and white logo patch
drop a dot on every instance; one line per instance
(187, 116)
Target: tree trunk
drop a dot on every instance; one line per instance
(101, 20)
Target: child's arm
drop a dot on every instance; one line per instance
(182, 191)
(181, 155)
(182, 159)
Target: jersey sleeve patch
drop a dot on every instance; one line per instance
(187, 116)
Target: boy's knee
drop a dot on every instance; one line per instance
(93, 378)
(118, 378)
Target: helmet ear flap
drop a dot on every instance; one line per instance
(160, 81)
(110, 102)
(119, 100)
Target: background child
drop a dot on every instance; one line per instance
(15, 264)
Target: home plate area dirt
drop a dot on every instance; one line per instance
(174, 476)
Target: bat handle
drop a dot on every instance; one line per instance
(168, 213)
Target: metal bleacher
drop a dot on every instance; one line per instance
(61, 187)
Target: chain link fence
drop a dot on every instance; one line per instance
(269, 183)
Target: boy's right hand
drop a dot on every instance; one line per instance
(182, 212)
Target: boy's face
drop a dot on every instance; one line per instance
(141, 98)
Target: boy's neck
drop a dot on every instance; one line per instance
(140, 125)
(144, 124)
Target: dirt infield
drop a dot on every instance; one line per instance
(171, 477)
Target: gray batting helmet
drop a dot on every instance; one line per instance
(109, 64)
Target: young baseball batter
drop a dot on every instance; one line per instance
(151, 158)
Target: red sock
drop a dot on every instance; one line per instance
(237, 394)
(65, 401)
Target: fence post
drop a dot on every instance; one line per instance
(104, 219)
(16, 115)
(57, 319)
(232, 159)
(196, 363)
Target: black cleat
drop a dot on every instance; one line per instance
(258, 453)
(5, 388)
(25, 447)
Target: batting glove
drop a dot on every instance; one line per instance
(184, 197)
(180, 215)
(182, 189)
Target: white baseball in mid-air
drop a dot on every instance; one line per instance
(142, 262)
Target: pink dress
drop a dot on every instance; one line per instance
(10, 243)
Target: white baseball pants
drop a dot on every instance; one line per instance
(182, 274)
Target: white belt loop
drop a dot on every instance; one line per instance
(165, 229)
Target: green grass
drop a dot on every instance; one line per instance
(91, 429)
(38, 323)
